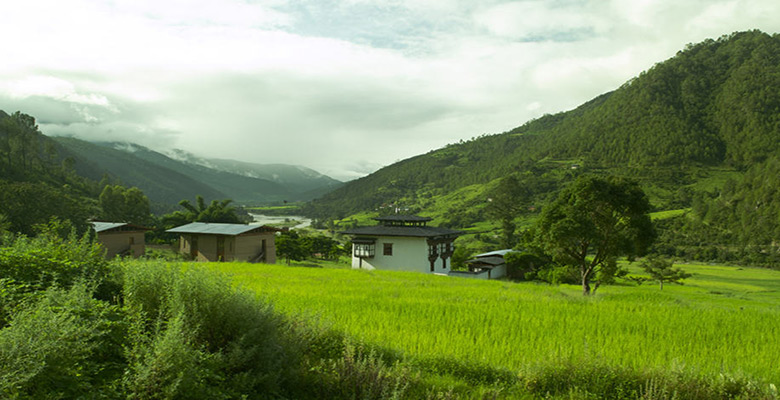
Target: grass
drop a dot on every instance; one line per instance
(723, 321)
(668, 214)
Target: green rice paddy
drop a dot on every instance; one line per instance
(724, 320)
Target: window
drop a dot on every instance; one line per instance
(364, 249)
(388, 249)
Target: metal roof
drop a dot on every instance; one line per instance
(213, 228)
(499, 253)
(107, 226)
(404, 218)
(413, 231)
(492, 261)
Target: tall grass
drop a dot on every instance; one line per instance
(724, 323)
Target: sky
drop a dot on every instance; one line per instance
(341, 86)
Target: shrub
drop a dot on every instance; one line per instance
(199, 337)
(63, 345)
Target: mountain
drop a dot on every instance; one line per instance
(296, 178)
(167, 180)
(682, 127)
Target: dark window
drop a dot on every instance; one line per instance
(388, 250)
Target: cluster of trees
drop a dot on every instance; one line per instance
(582, 232)
(292, 246)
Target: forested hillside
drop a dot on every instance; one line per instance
(683, 129)
(37, 180)
(167, 180)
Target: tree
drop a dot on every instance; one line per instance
(592, 222)
(120, 204)
(217, 211)
(509, 199)
(290, 247)
(662, 270)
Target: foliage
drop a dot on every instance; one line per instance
(289, 246)
(216, 211)
(64, 345)
(662, 270)
(120, 204)
(26, 204)
(592, 222)
(50, 259)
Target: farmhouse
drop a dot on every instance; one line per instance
(120, 238)
(491, 265)
(227, 242)
(402, 243)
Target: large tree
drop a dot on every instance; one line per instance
(593, 221)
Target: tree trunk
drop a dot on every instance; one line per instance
(662, 285)
(585, 286)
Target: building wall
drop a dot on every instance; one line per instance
(131, 243)
(470, 275)
(237, 248)
(247, 247)
(409, 254)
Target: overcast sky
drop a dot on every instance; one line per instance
(343, 87)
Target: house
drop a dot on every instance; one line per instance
(491, 265)
(402, 243)
(120, 238)
(205, 241)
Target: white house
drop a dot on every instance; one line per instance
(402, 243)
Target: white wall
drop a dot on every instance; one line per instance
(409, 254)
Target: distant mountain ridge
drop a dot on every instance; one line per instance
(168, 180)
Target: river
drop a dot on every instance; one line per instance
(261, 219)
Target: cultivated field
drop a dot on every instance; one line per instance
(725, 321)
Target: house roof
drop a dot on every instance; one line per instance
(403, 218)
(500, 253)
(100, 226)
(413, 231)
(487, 261)
(213, 228)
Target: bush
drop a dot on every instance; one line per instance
(63, 345)
(199, 337)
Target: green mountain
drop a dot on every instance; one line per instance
(683, 129)
(297, 179)
(167, 180)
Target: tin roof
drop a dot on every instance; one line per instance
(413, 231)
(100, 226)
(492, 261)
(499, 253)
(213, 228)
(404, 218)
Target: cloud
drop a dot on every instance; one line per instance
(343, 86)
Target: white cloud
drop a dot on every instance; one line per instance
(341, 86)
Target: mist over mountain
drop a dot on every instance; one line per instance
(168, 180)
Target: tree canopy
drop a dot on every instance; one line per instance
(592, 222)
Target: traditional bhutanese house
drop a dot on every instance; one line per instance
(120, 238)
(402, 243)
(490, 265)
(227, 242)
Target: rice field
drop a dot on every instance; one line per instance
(724, 320)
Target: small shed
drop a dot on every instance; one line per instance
(121, 238)
(204, 241)
(491, 265)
